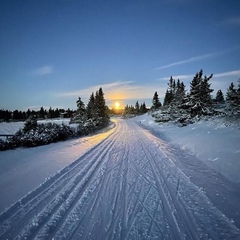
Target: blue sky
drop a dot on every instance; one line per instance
(52, 52)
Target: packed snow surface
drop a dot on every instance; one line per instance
(131, 185)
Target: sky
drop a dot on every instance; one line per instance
(52, 52)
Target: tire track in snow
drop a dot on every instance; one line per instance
(185, 219)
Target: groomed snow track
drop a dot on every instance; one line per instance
(124, 188)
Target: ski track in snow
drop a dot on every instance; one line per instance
(126, 187)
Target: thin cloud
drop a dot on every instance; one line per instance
(45, 70)
(235, 73)
(192, 59)
(234, 21)
(228, 74)
(120, 90)
(87, 91)
(198, 58)
(181, 77)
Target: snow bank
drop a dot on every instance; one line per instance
(213, 142)
(23, 169)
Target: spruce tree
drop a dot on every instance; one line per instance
(41, 113)
(205, 91)
(170, 92)
(80, 106)
(80, 115)
(238, 94)
(137, 108)
(167, 98)
(200, 91)
(219, 97)
(156, 102)
(91, 108)
(195, 87)
(180, 93)
(101, 108)
(143, 108)
(233, 96)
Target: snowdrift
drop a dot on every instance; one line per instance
(215, 142)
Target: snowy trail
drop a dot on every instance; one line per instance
(126, 187)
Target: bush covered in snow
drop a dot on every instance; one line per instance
(92, 117)
(35, 135)
(185, 108)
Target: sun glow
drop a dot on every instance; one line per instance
(117, 105)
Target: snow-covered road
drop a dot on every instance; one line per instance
(128, 186)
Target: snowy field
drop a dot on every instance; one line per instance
(10, 127)
(214, 142)
(139, 180)
(13, 127)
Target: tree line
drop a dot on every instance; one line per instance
(135, 110)
(199, 100)
(7, 115)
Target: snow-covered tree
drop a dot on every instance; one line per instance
(233, 97)
(180, 93)
(80, 116)
(219, 97)
(156, 102)
(80, 106)
(199, 99)
(91, 108)
(100, 102)
(170, 92)
(30, 124)
(200, 90)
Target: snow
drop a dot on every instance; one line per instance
(213, 142)
(23, 169)
(10, 127)
(139, 180)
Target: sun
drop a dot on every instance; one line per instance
(117, 105)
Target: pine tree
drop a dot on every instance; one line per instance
(101, 104)
(41, 113)
(200, 91)
(167, 98)
(195, 86)
(233, 96)
(126, 109)
(56, 113)
(180, 93)
(205, 91)
(219, 97)
(156, 102)
(170, 92)
(80, 116)
(80, 107)
(137, 108)
(91, 108)
(238, 94)
(143, 108)
(50, 113)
